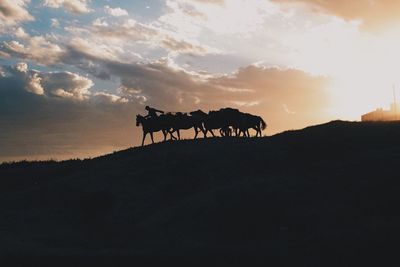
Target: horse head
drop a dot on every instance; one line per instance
(139, 119)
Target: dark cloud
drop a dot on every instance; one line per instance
(41, 126)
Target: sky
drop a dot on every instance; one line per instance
(74, 73)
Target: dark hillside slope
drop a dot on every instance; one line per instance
(326, 195)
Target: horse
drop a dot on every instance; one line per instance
(152, 125)
(220, 119)
(249, 121)
(229, 121)
(182, 121)
(204, 119)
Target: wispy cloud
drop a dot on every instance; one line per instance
(73, 6)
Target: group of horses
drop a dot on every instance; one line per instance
(229, 122)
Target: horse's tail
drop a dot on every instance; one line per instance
(263, 124)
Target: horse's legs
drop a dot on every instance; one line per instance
(248, 133)
(212, 133)
(205, 133)
(196, 132)
(258, 129)
(165, 135)
(236, 132)
(179, 135)
(171, 133)
(144, 137)
(152, 140)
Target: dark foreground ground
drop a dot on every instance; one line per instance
(327, 195)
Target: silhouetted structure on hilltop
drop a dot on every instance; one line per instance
(383, 115)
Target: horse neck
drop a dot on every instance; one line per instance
(143, 123)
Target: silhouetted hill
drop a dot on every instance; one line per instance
(326, 195)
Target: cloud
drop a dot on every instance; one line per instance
(271, 88)
(30, 79)
(107, 98)
(126, 29)
(116, 38)
(36, 48)
(73, 6)
(374, 14)
(21, 34)
(22, 67)
(113, 40)
(53, 84)
(182, 46)
(66, 84)
(116, 12)
(13, 12)
(193, 18)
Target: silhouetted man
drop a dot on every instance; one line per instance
(152, 112)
